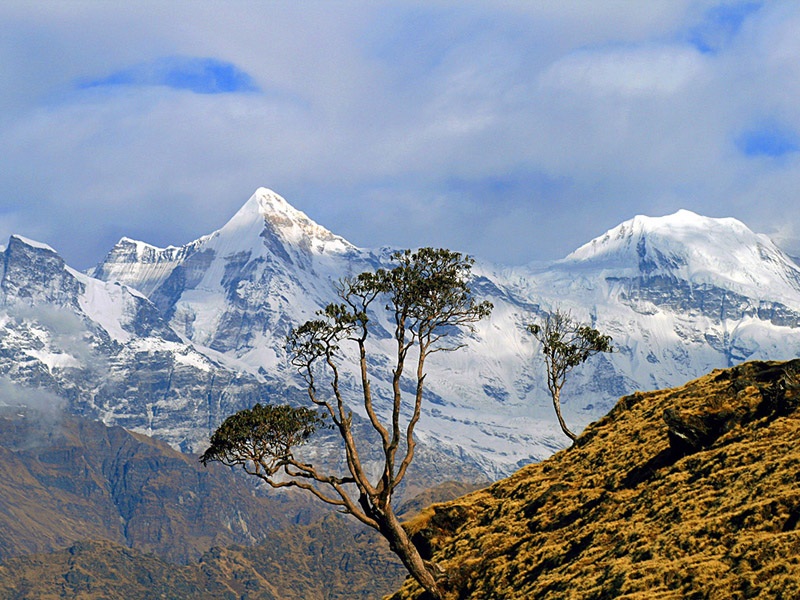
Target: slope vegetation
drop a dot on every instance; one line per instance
(692, 492)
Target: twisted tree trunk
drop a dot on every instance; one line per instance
(403, 547)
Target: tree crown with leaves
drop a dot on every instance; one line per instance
(427, 300)
(565, 343)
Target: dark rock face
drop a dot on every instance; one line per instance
(696, 430)
(183, 277)
(140, 265)
(680, 296)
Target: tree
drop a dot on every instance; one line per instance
(565, 345)
(427, 300)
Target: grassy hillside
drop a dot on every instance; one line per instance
(686, 493)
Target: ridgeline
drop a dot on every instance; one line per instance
(692, 492)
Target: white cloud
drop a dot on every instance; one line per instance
(42, 401)
(625, 71)
(489, 125)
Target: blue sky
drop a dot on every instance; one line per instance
(192, 74)
(512, 130)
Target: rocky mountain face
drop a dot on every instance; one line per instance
(688, 492)
(69, 479)
(680, 295)
(91, 511)
(325, 561)
(104, 350)
(169, 341)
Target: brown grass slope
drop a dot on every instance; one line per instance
(686, 493)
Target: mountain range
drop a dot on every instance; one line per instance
(89, 511)
(169, 341)
(688, 492)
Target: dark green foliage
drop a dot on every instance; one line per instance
(265, 434)
(565, 345)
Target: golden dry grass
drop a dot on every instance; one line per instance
(626, 514)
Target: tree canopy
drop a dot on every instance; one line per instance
(427, 301)
(565, 344)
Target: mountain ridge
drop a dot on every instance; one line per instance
(689, 492)
(231, 298)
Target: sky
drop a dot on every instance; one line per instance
(514, 131)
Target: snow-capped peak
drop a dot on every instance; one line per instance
(691, 247)
(32, 243)
(683, 227)
(266, 208)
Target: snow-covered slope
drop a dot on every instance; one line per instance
(722, 253)
(140, 265)
(171, 340)
(104, 350)
(680, 295)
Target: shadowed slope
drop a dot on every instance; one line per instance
(692, 492)
(88, 511)
(72, 479)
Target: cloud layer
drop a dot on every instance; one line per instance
(514, 131)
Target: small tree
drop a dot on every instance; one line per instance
(427, 300)
(565, 345)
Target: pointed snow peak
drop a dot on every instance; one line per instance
(266, 209)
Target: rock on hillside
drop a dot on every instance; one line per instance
(692, 492)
